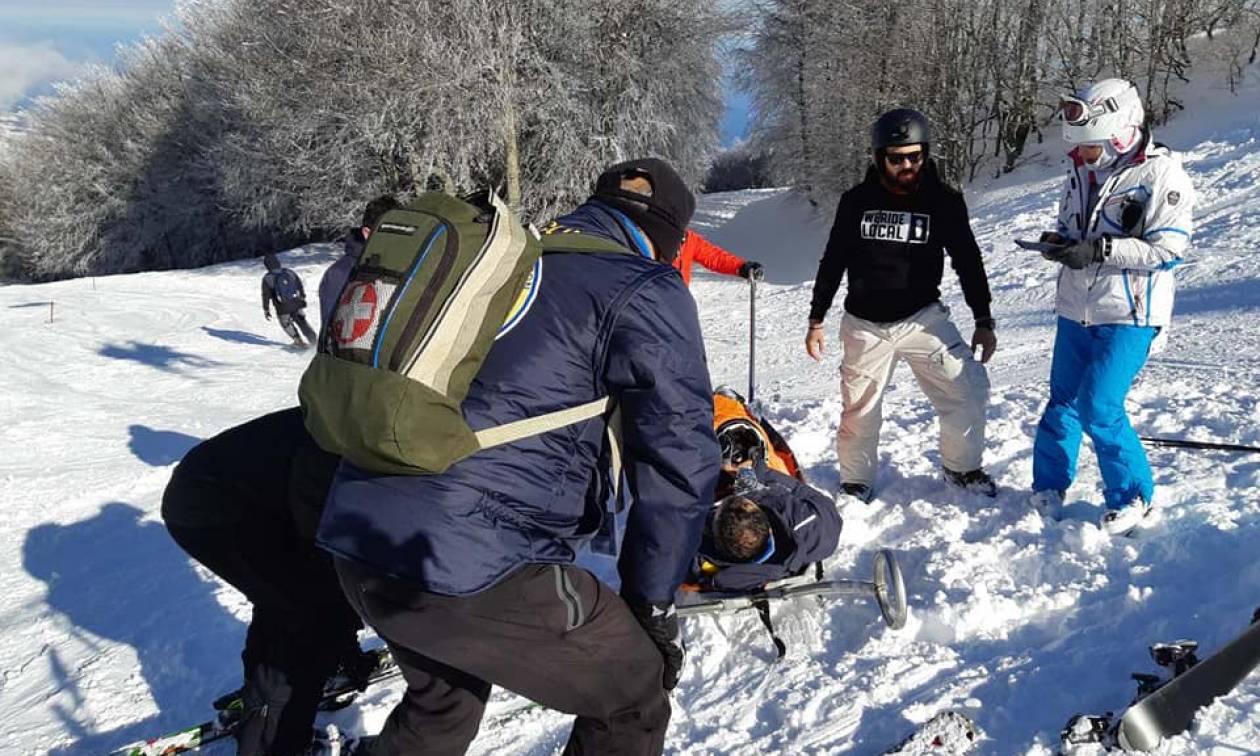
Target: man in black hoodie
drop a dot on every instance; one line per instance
(891, 235)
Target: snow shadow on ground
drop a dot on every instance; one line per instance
(159, 448)
(1036, 671)
(160, 357)
(240, 337)
(1226, 296)
(121, 579)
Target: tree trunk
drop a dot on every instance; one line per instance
(511, 146)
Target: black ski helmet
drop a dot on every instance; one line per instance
(271, 261)
(900, 126)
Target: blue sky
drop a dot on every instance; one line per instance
(43, 42)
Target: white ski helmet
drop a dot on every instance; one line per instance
(1108, 113)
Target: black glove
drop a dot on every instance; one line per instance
(752, 271)
(660, 622)
(1080, 254)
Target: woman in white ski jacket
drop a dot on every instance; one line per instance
(1125, 221)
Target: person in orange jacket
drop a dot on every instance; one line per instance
(696, 248)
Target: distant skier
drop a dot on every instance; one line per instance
(282, 288)
(335, 277)
(696, 248)
(1125, 220)
(891, 235)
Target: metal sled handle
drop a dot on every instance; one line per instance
(888, 588)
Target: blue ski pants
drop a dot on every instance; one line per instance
(1092, 370)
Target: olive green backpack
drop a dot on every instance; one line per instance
(438, 280)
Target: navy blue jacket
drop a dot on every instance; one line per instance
(338, 273)
(806, 527)
(609, 324)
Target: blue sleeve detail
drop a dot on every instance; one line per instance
(636, 235)
(1166, 230)
(1111, 223)
(1139, 189)
(1172, 263)
(439, 232)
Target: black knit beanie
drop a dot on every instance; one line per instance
(664, 215)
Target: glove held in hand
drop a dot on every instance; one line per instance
(660, 622)
(752, 271)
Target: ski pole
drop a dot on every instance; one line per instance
(1179, 443)
(752, 339)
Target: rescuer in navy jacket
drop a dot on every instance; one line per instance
(469, 575)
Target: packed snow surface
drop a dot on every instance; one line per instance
(108, 633)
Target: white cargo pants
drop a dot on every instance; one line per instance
(942, 363)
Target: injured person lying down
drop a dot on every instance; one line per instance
(768, 524)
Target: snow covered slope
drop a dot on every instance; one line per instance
(108, 633)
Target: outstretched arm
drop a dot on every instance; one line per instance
(712, 256)
(657, 374)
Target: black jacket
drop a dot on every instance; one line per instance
(893, 247)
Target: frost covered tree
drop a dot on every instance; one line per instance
(258, 123)
(988, 73)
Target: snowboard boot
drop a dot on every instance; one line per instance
(1048, 502)
(859, 491)
(1126, 519)
(974, 481)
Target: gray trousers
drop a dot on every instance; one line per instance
(552, 633)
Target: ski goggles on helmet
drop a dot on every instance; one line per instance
(1077, 112)
(739, 442)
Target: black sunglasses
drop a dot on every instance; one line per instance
(913, 158)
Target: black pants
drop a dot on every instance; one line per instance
(246, 504)
(551, 633)
(292, 321)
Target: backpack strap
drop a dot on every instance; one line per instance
(557, 239)
(562, 239)
(539, 424)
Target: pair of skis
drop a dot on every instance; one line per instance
(1163, 708)
(887, 588)
(338, 693)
